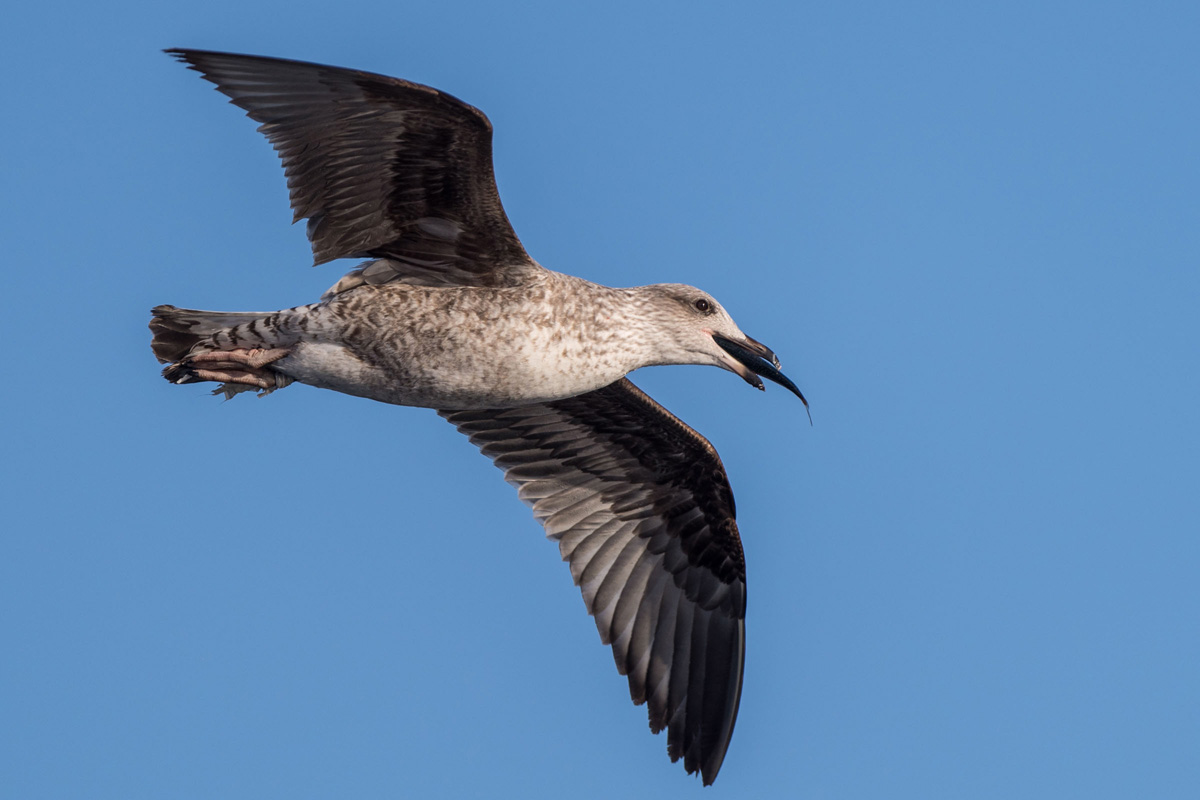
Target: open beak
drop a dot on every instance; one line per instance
(753, 359)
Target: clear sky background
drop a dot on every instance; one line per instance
(972, 234)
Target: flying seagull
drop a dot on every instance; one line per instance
(451, 313)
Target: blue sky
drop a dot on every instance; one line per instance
(971, 235)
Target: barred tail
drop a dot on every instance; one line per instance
(178, 330)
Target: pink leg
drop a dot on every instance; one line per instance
(254, 359)
(238, 376)
(235, 369)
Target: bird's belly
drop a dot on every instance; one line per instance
(332, 366)
(487, 377)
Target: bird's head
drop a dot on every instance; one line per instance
(700, 331)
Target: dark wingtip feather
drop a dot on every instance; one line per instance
(179, 54)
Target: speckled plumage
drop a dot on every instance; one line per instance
(451, 313)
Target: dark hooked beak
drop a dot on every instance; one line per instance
(755, 359)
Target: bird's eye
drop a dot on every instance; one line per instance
(703, 306)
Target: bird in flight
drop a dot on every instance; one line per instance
(449, 312)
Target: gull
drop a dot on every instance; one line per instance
(449, 312)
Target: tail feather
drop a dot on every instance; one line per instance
(178, 330)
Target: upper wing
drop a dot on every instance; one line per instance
(380, 167)
(642, 510)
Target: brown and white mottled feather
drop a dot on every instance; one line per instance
(642, 511)
(380, 167)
